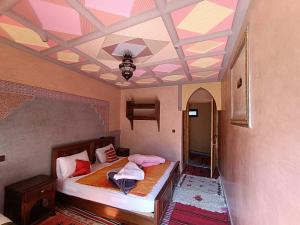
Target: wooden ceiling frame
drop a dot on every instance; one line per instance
(163, 9)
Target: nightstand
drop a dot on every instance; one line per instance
(31, 200)
(123, 152)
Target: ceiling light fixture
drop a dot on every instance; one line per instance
(127, 67)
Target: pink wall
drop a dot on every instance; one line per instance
(145, 138)
(21, 67)
(261, 165)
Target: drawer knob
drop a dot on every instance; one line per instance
(42, 191)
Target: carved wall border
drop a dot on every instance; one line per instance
(27, 93)
(10, 102)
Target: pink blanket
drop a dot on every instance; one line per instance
(146, 160)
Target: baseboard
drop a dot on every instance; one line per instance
(226, 200)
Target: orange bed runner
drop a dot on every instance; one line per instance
(143, 187)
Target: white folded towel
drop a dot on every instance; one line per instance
(130, 171)
(4, 219)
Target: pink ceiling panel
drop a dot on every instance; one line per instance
(113, 11)
(199, 19)
(166, 68)
(56, 17)
(226, 3)
(121, 8)
(139, 72)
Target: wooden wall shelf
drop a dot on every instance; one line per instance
(153, 114)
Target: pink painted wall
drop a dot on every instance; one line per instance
(21, 67)
(145, 138)
(261, 165)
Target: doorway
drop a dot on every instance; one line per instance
(200, 132)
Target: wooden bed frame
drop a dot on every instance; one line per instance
(120, 215)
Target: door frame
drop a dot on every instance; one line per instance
(214, 139)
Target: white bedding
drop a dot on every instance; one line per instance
(110, 197)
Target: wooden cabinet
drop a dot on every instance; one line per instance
(143, 111)
(123, 152)
(31, 200)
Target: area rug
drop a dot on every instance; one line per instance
(60, 219)
(207, 185)
(68, 215)
(181, 214)
(201, 192)
(203, 200)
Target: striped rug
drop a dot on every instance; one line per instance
(66, 215)
(180, 214)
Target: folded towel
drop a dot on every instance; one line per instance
(125, 185)
(130, 171)
(146, 160)
(4, 220)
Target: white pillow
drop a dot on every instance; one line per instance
(65, 166)
(100, 153)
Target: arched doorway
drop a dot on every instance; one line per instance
(200, 131)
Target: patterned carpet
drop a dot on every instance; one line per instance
(197, 201)
(68, 215)
(180, 214)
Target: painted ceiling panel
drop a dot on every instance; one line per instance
(123, 84)
(114, 11)
(20, 34)
(109, 76)
(212, 45)
(139, 72)
(145, 46)
(90, 68)
(205, 17)
(167, 68)
(173, 78)
(205, 74)
(56, 17)
(146, 81)
(67, 57)
(205, 63)
(91, 36)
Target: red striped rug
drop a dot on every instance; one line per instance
(180, 214)
(68, 215)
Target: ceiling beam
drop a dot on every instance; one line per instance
(204, 55)
(204, 37)
(238, 23)
(174, 5)
(91, 59)
(173, 35)
(152, 14)
(7, 5)
(43, 34)
(207, 69)
(84, 12)
(159, 80)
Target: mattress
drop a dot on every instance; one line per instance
(111, 197)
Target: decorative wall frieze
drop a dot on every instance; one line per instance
(103, 112)
(10, 102)
(13, 95)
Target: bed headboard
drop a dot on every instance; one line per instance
(70, 149)
(101, 142)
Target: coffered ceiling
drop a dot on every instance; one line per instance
(172, 41)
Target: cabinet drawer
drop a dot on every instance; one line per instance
(39, 192)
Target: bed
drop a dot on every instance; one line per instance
(109, 204)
